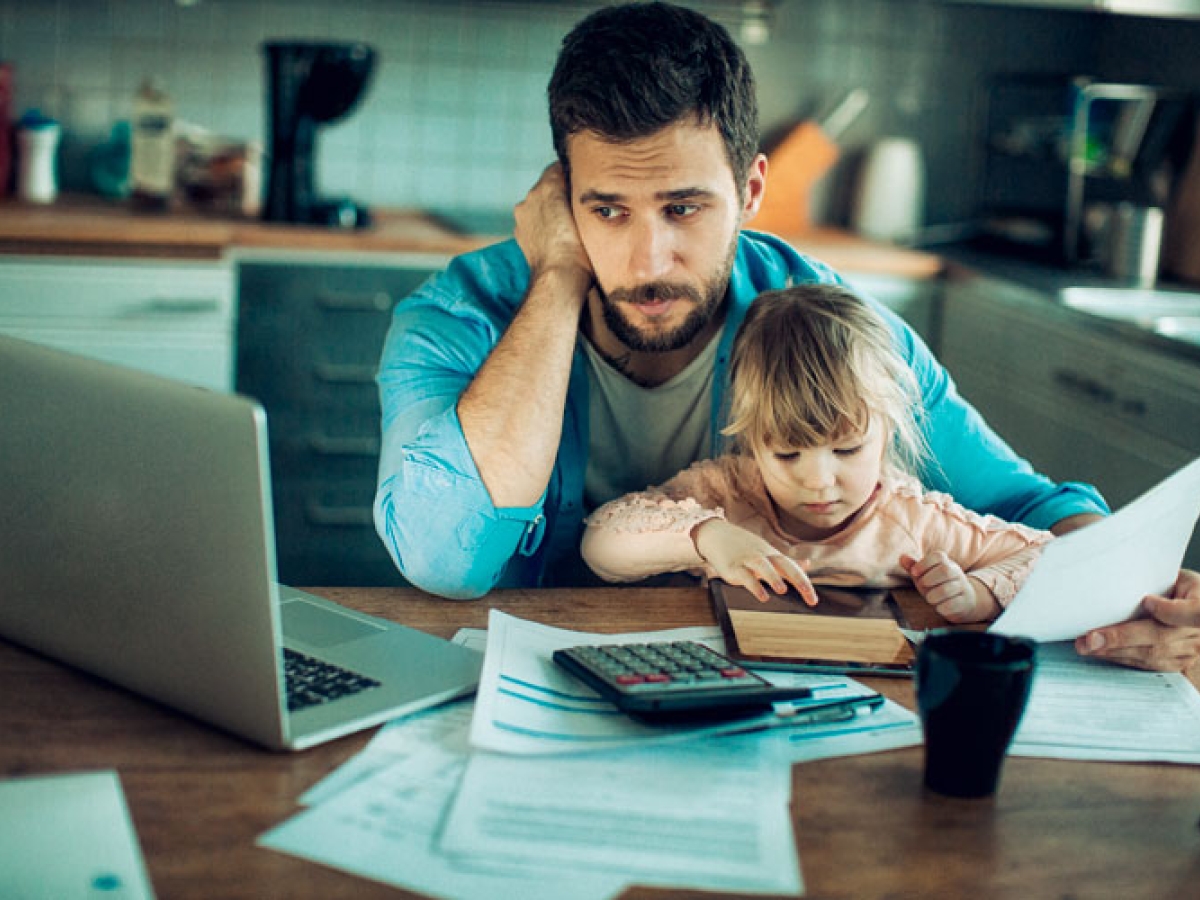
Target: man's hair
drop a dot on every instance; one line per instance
(813, 364)
(626, 72)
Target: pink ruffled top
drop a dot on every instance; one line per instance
(649, 532)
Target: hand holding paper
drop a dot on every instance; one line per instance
(1099, 575)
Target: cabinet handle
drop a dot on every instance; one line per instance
(344, 373)
(338, 516)
(1100, 393)
(175, 306)
(1085, 386)
(329, 445)
(379, 301)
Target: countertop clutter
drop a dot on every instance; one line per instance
(83, 225)
(80, 225)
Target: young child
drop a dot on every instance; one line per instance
(820, 487)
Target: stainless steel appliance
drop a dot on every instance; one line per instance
(1062, 154)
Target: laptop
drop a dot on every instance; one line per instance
(136, 543)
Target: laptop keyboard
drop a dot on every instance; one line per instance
(312, 681)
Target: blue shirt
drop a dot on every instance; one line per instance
(435, 515)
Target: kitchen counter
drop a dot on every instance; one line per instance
(1042, 285)
(82, 225)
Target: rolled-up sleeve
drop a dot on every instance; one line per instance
(975, 465)
(432, 510)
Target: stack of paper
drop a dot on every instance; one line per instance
(538, 789)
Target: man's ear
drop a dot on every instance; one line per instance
(754, 188)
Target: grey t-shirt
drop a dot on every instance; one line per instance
(641, 436)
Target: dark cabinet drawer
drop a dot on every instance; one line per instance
(308, 344)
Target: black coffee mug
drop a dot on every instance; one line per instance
(972, 688)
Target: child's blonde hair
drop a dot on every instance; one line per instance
(813, 364)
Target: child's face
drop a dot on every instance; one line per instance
(818, 488)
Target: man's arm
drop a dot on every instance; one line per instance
(473, 418)
(974, 465)
(512, 412)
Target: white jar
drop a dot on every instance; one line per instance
(37, 147)
(890, 204)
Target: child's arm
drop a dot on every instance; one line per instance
(967, 566)
(656, 531)
(650, 532)
(743, 558)
(644, 534)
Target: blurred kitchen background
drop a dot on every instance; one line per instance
(1003, 175)
(455, 119)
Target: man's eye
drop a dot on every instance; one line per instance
(682, 210)
(607, 212)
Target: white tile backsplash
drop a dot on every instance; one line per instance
(455, 115)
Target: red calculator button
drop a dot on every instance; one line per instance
(658, 676)
(629, 679)
(733, 673)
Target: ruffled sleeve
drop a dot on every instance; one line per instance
(1000, 554)
(650, 532)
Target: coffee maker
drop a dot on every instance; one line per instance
(309, 83)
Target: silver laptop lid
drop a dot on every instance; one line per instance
(135, 534)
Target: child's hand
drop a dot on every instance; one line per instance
(743, 558)
(947, 588)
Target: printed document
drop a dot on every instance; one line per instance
(385, 825)
(1098, 575)
(705, 814)
(1087, 709)
(407, 737)
(385, 828)
(527, 704)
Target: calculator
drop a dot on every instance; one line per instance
(673, 679)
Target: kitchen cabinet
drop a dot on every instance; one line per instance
(310, 332)
(1080, 403)
(169, 317)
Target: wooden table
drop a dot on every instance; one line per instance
(865, 827)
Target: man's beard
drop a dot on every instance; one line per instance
(705, 300)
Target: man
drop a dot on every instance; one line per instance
(535, 379)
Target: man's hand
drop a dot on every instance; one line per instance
(741, 557)
(545, 229)
(1166, 640)
(948, 589)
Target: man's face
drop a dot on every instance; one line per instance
(659, 218)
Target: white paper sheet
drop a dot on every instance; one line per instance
(69, 836)
(706, 814)
(1087, 709)
(445, 727)
(1098, 575)
(384, 828)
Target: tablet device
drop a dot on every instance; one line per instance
(854, 631)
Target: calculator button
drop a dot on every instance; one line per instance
(629, 679)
